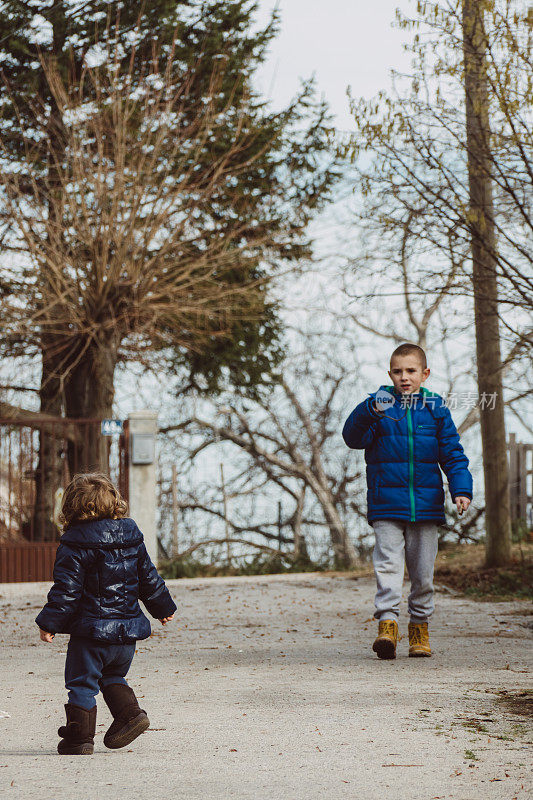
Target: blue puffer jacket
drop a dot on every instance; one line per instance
(403, 451)
(101, 571)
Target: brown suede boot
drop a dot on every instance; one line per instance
(387, 639)
(129, 721)
(77, 736)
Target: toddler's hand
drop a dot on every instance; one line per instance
(45, 636)
(462, 503)
(166, 619)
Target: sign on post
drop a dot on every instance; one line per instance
(142, 448)
(112, 427)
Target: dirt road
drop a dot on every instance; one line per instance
(268, 688)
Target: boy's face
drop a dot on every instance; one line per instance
(407, 374)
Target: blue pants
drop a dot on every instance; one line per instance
(91, 665)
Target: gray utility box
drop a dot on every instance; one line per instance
(142, 448)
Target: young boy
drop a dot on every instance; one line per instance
(407, 433)
(101, 571)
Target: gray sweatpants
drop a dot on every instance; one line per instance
(399, 543)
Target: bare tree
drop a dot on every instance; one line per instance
(418, 137)
(290, 444)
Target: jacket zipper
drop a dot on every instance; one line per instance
(411, 465)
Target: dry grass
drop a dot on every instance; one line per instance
(458, 567)
(462, 567)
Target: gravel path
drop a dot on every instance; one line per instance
(268, 688)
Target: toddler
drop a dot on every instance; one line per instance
(101, 571)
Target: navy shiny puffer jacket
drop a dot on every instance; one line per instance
(404, 448)
(102, 570)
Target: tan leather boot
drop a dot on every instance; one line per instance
(419, 640)
(387, 639)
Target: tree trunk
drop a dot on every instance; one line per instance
(89, 395)
(48, 476)
(345, 556)
(301, 556)
(49, 472)
(344, 553)
(484, 276)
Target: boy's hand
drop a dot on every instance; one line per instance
(45, 636)
(462, 503)
(166, 619)
(383, 401)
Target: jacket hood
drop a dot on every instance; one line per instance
(103, 533)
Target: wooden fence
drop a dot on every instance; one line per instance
(33, 561)
(520, 478)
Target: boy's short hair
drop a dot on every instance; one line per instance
(91, 496)
(407, 349)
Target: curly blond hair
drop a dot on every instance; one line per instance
(91, 496)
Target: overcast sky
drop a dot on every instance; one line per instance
(344, 42)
